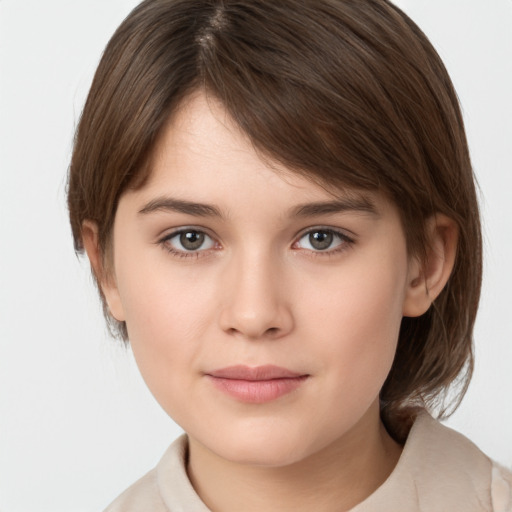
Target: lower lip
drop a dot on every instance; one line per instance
(257, 391)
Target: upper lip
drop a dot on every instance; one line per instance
(254, 373)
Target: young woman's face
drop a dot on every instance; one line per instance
(263, 311)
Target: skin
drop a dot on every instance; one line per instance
(259, 292)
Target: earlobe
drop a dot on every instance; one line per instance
(426, 279)
(104, 277)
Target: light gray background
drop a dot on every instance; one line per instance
(77, 425)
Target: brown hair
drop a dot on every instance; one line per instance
(345, 92)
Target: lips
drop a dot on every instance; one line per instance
(256, 385)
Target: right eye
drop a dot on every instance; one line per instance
(186, 242)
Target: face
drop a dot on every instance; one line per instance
(263, 311)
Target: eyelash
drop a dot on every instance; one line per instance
(345, 242)
(164, 242)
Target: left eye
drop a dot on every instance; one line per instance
(321, 240)
(190, 240)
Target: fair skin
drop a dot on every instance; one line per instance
(221, 261)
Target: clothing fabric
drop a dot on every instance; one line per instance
(439, 471)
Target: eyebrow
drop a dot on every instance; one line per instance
(181, 206)
(360, 204)
(355, 204)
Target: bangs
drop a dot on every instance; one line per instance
(331, 107)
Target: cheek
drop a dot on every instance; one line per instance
(364, 298)
(359, 324)
(159, 296)
(166, 318)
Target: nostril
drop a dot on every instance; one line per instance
(255, 317)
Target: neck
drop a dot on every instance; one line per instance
(336, 478)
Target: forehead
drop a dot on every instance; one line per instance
(202, 151)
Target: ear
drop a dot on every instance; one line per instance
(426, 279)
(104, 276)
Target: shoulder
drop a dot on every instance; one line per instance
(501, 488)
(142, 495)
(166, 488)
(445, 460)
(146, 493)
(441, 470)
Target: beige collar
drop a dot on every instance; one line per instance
(439, 470)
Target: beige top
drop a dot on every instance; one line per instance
(439, 471)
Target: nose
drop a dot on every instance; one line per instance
(255, 302)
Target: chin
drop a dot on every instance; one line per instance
(265, 447)
(263, 455)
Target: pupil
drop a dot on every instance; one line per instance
(321, 240)
(191, 240)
